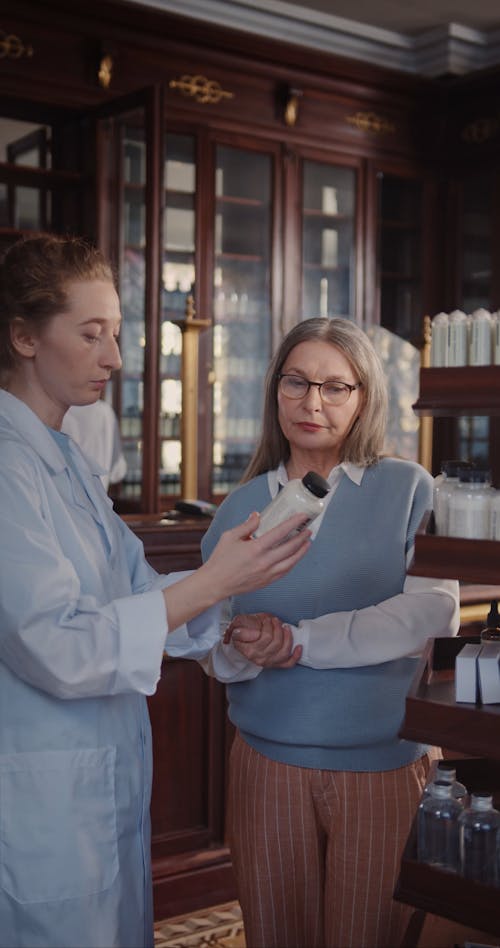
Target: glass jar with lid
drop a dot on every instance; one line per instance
(444, 485)
(470, 505)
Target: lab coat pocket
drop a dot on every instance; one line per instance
(57, 823)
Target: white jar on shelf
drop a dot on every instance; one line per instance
(439, 340)
(495, 515)
(458, 342)
(480, 348)
(444, 485)
(470, 505)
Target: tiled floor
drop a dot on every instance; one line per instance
(218, 927)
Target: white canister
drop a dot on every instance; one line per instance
(495, 333)
(444, 485)
(439, 340)
(470, 505)
(480, 338)
(495, 515)
(457, 338)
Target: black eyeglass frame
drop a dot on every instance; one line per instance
(319, 386)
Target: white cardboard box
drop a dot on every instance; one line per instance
(489, 673)
(466, 673)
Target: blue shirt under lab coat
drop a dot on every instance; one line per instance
(79, 650)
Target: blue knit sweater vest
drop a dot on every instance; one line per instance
(336, 719)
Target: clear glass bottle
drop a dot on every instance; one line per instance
(437, 827)
(298, 496)
(444, 485)
(447, 773)
(469, 512)
(491, 632)
(479, 839)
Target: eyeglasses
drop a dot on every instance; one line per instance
(332, 393)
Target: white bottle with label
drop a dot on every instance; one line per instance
(495, 515)
(298, 496)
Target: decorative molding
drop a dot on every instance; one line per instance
(449, 49)
(206, 91)
(481, 130)
(12, 47)
(371, 122)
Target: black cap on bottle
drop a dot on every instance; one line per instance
(316, 484)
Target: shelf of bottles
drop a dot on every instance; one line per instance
(328, 240)
(400, 236)
(242, 307)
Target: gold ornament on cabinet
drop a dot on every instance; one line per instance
(291, 111)
(371, 122)
(206, 91)
(105, 71)
(12, 47)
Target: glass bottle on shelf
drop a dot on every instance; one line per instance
(447, 773)
(491, 632)
(437, 827)
(479, 840)
(469, 510)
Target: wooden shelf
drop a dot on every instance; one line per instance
(446, 893)
(470, 561)
(466, 390)
(432, 716)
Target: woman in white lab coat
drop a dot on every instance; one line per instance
(83, 621)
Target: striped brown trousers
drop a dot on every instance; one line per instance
(316, 853)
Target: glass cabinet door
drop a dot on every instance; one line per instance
(177, 283)
(129, 385)
(400, 255)
(328, 240)
(242, 307)
(477, 243)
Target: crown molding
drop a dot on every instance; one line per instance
(451, 49)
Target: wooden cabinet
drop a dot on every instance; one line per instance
(233, 170)
(432, 714)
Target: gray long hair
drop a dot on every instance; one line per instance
(365, 441)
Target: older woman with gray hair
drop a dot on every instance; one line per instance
(322, 790)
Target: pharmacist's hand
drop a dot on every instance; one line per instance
(240, 563)
(264, 640)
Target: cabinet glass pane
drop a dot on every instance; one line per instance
(401, 256)
(178, 282)
(328, 240)
(26, 207)
(132, 296)
(242, 308)
(477, 243)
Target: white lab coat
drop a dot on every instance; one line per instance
(95, 429)
(79, 650)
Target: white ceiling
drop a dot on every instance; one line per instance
(425, 37)
(412, 16)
